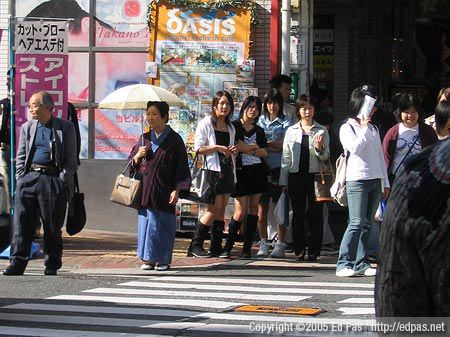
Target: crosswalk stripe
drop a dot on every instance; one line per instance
(357, 311)
(122, 322)
(99, 321)
(235, 296)
(103, 309)
(151, 300)
(178, 313)
(362, 300)
(278, 290)
(262, 281)
(15, 331)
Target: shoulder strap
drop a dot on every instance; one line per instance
(406, 155)
(76, 185)
(348, 152)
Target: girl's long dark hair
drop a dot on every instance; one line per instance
(273, 95)
(215, 102)
(249, 101)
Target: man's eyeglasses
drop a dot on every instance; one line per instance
(34, 106)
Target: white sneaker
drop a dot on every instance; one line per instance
(368, 272)
(146, 266)
(279, 250)
(345, 272)
(263, 248)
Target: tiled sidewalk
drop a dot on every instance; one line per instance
(94, 251)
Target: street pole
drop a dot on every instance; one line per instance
(306, 38)
(286, 37)
(12, 120)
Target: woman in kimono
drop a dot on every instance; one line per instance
(161, 161)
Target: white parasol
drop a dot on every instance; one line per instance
(136, 96)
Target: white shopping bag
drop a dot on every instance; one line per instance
(279, 210)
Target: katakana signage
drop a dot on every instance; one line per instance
(41, 64)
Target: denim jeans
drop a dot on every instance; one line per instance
(363, 199)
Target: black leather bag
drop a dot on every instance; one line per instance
(203, 183)
(76, 215)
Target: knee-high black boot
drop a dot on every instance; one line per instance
(200, 235)
(233, 229)
(249, 234)
(216, 238)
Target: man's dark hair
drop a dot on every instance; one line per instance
(162, 107)
(276, 81)
(63, 9)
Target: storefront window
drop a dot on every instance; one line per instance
(116, 132)
(77, 11)
(78, 77)
(84, 131)
(116, 70)
(121, 24)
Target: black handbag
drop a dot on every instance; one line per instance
(203, 183)
(323, 182)
(76, 215)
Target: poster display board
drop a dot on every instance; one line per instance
(199, 51)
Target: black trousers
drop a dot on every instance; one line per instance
(44, 195)
(301, 187)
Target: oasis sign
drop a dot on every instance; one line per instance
(181, 24)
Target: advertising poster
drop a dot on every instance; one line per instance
(116, 24)
(245, 73)
(197, 51)
(239, 94)
(41, 64)
(116, 132)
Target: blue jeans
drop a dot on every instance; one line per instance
(363, 199)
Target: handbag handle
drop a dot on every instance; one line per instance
(128, 165)
(194, 162)
(75, 182)
(321, 170)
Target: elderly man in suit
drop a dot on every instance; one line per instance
(46, 161)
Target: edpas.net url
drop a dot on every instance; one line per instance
(408, 327)
(405, 327)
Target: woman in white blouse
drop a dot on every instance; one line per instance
(366, 183)
(214, 139)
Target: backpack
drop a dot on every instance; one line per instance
(338, 190)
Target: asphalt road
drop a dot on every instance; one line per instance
(200, 302)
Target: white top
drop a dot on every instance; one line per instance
(204, 136)
(249, 159)
(407, 137)
(366, 160)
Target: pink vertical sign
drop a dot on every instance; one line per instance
(41, 65)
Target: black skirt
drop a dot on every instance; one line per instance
(251, 179)
(225, 179)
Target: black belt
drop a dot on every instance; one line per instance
(45, 169)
